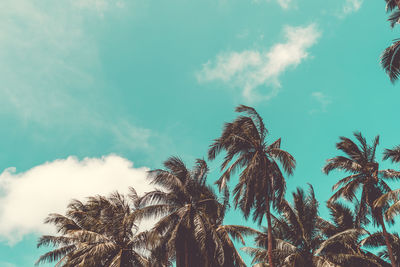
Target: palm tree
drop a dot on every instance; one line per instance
(295, 235)
(159, 256)
(390, 58)
(261, 182)
(99, 232)
(237, 232)
(392, 4)
(364, 172)
(390, 61)
(300, 240)
(377, 240)
(191, 228)
(342, 217)
(345, 227)
(392, 196)
(387, 199)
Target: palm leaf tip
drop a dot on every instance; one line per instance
(392, 154)
(394, 18)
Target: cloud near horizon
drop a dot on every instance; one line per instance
(251, 69)
(27, 198)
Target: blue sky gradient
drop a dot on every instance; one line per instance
(122, 82)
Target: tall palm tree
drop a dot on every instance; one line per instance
(99, 232)
(361, 164)
(299, 238)
(261, 182)
(191, 228)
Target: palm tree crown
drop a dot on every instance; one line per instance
(191, 230)
(99, 232)
(390, 58)
(261, 182)
(300, 237)
(360, 162)
(392, 197)
(377, 241)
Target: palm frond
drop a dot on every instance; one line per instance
(390, 61)
(394, 18)
(392, 154)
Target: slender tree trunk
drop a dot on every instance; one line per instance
(270, 244)
(388, 245)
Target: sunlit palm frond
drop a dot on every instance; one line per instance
(392, 211)
(100, 231)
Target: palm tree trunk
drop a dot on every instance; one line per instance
(268, 215)
(186, 259)
(388, 245)
(182, 254)
(186, 254)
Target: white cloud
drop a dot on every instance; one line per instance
(285, 4)
(250, 69)
(27, 198)
(350, 6)
(322, 99)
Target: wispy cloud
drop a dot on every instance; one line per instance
(47, 58)
(51, 68)
(285, 4)
(131, 136)
(98, 5)
(251, 69)
(323, 101)
(28, 197)
(350, 6)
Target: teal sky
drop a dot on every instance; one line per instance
(89, 87)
